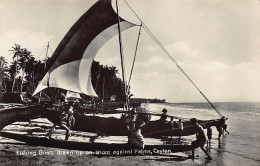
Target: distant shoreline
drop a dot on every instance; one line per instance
(145, 100)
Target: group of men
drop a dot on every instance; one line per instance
(200, 135)
(175, 126)
(135, 122)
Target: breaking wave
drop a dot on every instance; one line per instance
(250, 113)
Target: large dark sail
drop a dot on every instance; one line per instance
(70, 66)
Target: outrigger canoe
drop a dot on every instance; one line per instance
(105, 148)
(112, 126)
(106, 126)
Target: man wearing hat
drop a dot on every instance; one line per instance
(201, 138)
(164, 116)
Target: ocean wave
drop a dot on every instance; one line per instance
(182, 111)
(175, 107)
(250, 113)
(206, 113)
(245, 119)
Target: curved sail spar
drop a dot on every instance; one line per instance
(69, 67)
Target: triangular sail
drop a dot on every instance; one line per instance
(70, 66)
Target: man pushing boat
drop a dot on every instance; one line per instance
(136, 120)
(201, 139)
(221, 126)
(67, 120)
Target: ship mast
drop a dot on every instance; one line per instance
(125, 89)
(44, 68)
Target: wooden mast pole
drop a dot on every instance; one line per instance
(44, 67)
(122, 59)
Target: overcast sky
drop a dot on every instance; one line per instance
(216, 42)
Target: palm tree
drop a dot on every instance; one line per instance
(21, 57)
(3, 73)
(33, 70)
(24, 58)
(17, 53)
(29, 70)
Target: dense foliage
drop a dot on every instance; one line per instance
(106, 82)
(24, 72)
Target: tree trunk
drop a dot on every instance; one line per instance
(32, 76)
(13, 84)
(4, 86)
(22, 82)
(16, 67)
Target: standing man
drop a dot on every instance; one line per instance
(164, 116)
(209, 134)
(70, 119)
(201, 138)
(180, 128)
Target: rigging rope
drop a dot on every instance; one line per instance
(40, 53)
(134, 56)
(169, 55)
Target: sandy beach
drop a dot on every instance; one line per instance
(14, 152)
(240, 147)
(9, 157)
(35, 155)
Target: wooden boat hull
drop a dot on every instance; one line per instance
(107, 126)
(110, 126)
(21, 113)
(97, 148)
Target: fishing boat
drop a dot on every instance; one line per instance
(114, 126)
(69, 68)
(121, 149)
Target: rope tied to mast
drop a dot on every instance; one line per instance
(170, 56)
(135, 55)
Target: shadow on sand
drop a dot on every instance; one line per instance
(169, 158)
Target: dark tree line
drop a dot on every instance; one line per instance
(23, 74)
(105, 81)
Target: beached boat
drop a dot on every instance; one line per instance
(97, 123)
(97, 148)
(13, 114)
(69, 68)
(114, 126)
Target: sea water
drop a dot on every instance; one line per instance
(241, 146)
